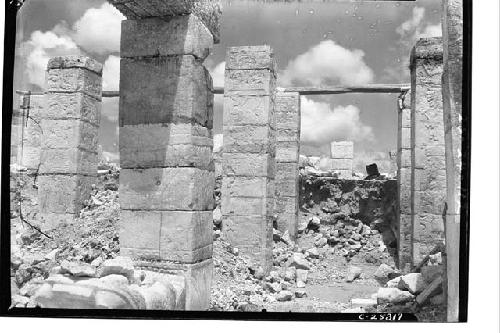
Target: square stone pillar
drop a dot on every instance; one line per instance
(404, 181)
(287, 162)
(167, 176)
(452, 23)
(68, 155)
(342, 154)
(249, 151)
(428, 177)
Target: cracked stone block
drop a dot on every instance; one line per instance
(69, 133)
(247, 110)
(189, 189)
(168, 145)
(70, 80)
(180, 86)
(63, 194)
(209, 11)
(252, 165)
(180, 35)
(80, 106)
(68, 161)
(251, 187)
(250, 57)
(249, 139)
(257, 82)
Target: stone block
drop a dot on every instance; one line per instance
(140, 234)
(186, 236)
(252, 235)
(341, 164)
(179, 85)
(155, 36)
(68, 161)
(178, 236)
(189, 189)
(287, 109)
(75, 61)
(287, 135)
(249, 82)
(71, 80)
(244, 206)
(251, 187)
(287, 152)
(71, 133)
(406, 118)
(252, 165)
(63, 193)
(405, 158)
(250, 58)
(209, 11)
(406, 138)
(288, 205)
(168, 145)
(73, 106)
(287, 179)
(288, 221)
(247, 110)
(342, 150)
(249, 139)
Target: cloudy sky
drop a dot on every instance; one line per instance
(315, 43)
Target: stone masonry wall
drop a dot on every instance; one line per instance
(342, 154)
(249, 151)
(287, 161)
(428, 176)
(167, 176)
(404, 181)
(68, 156)
(33, 108)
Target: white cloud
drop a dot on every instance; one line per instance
(416, 27)
(40, 48)
(320, 124)
(111, 73)
(327, 63)
(99, 29)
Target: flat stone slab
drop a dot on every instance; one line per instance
(75, 62)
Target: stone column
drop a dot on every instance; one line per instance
(167, 176)
(287, 162)
(342, 153)
(68, 156)
(249, 151)
(428, 177)
(452, 23)
(404, 181)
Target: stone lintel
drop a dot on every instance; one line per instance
(75, 61)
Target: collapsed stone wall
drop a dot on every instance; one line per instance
(373, 202)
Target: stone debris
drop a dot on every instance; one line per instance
(433, 289)
(393, 296)
(385, 273)
(284, 296)
(413, 282)
(353, 273)
(363, 303)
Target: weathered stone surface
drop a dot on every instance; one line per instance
(69, 134)
(251, 187)
(63, 194)
(63, 106)
(249, 82)
(248, 164)
(249, 139)
(180, 85)
(119, 265)
(298, 261)
(250, 57)
(209, 11)
(287, 152)
(394, 296)
(430, 273)
(71, 80)
(413, 282)
(169, 145)
(174, 236)
(384, 273)
(353, 273)
(78, 269)
(75, 61)
(434, 288)
(247, 110)
(261, 206)
(70, 161)
(363, 303)
(180, 35)
(159, 189)
(342, 149)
